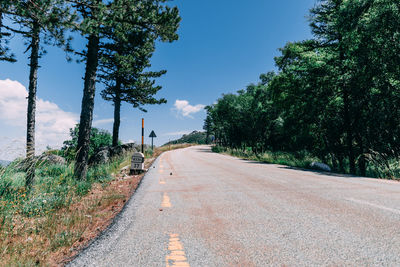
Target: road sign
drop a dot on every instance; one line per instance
(152, 135)
(137, 164)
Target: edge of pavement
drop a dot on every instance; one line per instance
(115, 219)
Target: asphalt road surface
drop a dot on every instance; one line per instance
(198, 208)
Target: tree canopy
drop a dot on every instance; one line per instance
(335, 95)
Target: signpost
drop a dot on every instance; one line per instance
(152, 135)
(142, 135)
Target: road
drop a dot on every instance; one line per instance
(198, 208)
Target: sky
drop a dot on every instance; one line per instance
(223, 46)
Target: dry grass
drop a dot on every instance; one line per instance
(54, 237)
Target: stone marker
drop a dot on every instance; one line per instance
(137, 164)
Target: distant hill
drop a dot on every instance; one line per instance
(194, 137)
(4, 162)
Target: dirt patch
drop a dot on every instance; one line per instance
(108, 202)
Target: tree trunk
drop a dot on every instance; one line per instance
(349, 133)
(346, 110)
(30, 129)
(341, 165)
(362, 166)
(117, 112)
(85, 124)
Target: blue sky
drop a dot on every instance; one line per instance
(224, 45)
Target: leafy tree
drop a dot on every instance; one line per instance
(194, 137)
(336, 95)
(98, 138)
(207, 127)
(99, 22)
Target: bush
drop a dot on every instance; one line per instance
(54, 170)
(98, 138)
(148, 152)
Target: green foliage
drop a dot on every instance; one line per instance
(148, 153)
(123, 62)
(5, 54)
(300, 159)
(335, 96)
(98, 138)
(194, 137)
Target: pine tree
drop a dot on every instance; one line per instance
(327, 23)
(5, 54)
(39, 22)
(99, 19)
(122, 66)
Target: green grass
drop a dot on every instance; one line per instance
(378, 165)
(54, 188)
(40, 227)
(300, 159)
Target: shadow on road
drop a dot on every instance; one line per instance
(305, 170)
(208, 150)
(204, 150)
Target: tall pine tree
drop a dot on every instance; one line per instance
(122, 70)
(99, 19)
(39, 22)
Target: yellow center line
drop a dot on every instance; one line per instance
(166, 201)
(177, 256)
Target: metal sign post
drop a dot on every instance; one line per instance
(142, 135)
(152, 135)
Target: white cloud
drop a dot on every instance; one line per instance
(52, 123)
(101, 122)
(185, 109)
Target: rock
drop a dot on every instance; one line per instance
(104, 154)
(320, 166)
(116, 151)
(100, 157)
(52, 159)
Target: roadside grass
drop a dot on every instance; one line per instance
(49, 225)
(300, 159)
(35, 224)
(379, 166)
(383, 166)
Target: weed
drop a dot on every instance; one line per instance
(61, 239)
